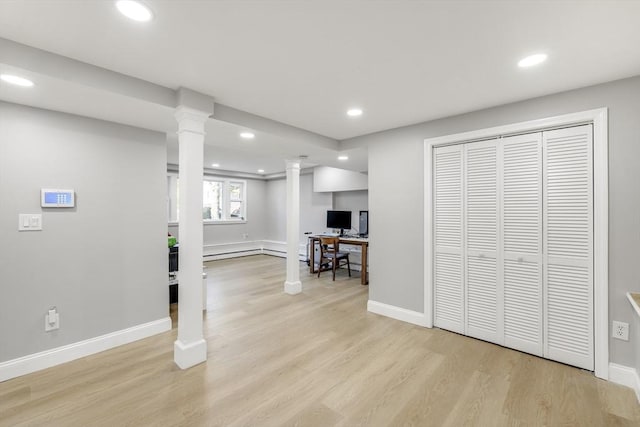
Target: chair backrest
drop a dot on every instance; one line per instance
(325, 242)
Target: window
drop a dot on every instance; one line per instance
(212, 200)
(223, 200)
(236, 199)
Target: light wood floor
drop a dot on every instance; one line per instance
(315, 359)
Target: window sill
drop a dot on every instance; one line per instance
(210, 222)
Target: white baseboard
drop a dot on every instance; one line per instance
(279, 249)
(267, 247)
(213, 257)
(188, 355)
(56, 356)
(231, 250)
(626, 376)
(397, 313)
(293, 288)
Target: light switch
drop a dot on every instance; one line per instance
(29, 222)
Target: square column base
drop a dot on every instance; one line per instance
(293, 288)
(188, 355)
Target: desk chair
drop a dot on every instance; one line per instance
(330, 252)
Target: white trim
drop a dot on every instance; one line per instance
(397, 313)
(626, 376)
(223, 222)
(601, 241)
(428, 233)
(583, 117)
(274, 247)
(231, 250)
(266, 247)
(279, 249)
(56, 356)
(191, 354)
(599, 118)
(293, 288)
(246, 248)
(238, 254)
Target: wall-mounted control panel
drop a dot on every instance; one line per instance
(54, 198)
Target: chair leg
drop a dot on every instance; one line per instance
(348, 266)
(333, 267)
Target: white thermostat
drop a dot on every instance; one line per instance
(57, 198)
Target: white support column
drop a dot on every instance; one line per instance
(190, 348)
(293, 285)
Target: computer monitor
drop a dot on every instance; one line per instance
(339, 219)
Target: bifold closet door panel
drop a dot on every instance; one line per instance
(448, 232)
(568, 245)
(482, 266)
(522, 242)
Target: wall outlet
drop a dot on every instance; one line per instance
(620, 330)
(52, 320)
(245, 236)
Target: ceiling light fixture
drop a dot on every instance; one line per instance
(215, 165)
(260, 170)
(532, 60)
(343, 157)
(247, 135)
(354, 112)
(134, 10)
(16, 80)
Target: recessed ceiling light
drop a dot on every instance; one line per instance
(134, 10)
(532, 60)
(343, 157)
(260, 170)
(354, 112)
(215, 165)
(247, 135)
(15, 80)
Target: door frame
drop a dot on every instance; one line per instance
(599, 119)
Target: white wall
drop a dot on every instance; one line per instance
(396, 172)
(103, 264)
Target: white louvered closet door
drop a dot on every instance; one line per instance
(568, 243)
(522, 242)
(482, 264)
(448, 231)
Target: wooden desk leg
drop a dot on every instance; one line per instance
(363, 279)
(312, 250)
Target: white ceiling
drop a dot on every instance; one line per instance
(304, 63)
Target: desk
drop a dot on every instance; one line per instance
(355, 241)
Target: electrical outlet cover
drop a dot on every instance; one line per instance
(52, 326)
(620, 330)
